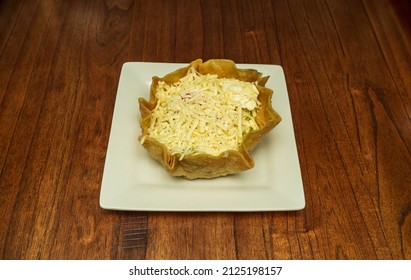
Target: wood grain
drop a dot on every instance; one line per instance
(347, 66)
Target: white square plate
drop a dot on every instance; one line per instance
(132, 180)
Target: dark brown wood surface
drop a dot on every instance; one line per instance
(348, 72)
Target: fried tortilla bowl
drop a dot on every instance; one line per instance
(206, 165)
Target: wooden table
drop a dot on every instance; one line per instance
(348, 71)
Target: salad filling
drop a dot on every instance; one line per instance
(203, 114)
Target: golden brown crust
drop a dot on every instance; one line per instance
(204, 165)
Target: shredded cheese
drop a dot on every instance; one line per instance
(203, 114)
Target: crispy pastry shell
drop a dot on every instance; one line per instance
(205, 165)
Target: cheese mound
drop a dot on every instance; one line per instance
(203, 114)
